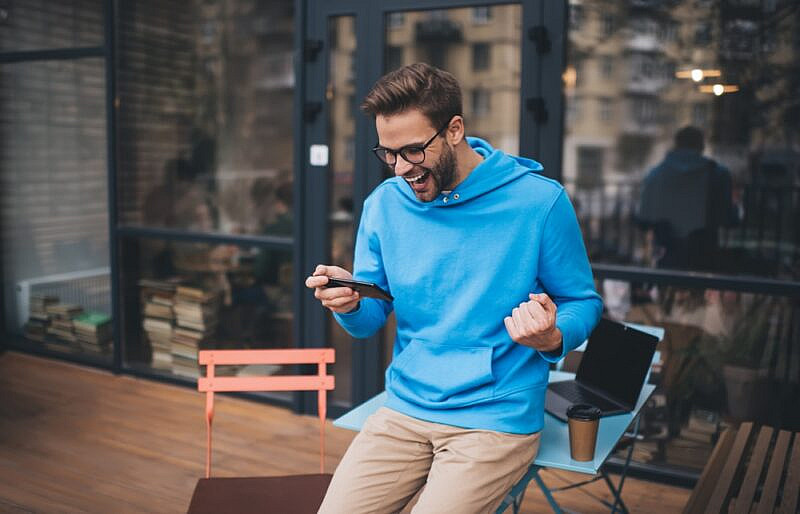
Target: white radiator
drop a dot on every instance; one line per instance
(90, 289)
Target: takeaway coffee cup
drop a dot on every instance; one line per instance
(583, 420)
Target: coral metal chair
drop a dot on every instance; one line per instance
(298, 494)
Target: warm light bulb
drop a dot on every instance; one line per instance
(697, 75)
(718, 89)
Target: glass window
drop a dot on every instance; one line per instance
(395, 20)
(726, 357)
(575, 16)
(205, 115)
(738, 159)
(341, 132)
(461, 41)
(590, 166)
(43, 25)
(441, 38)
(182, 296)
(480, 102)
(608, 24)
(606, 109)
(481, 15)
(606, 66)
(54, 204)
(644, 110)
(481, 56)
(697, 170)
(574, 109)
(394, 57)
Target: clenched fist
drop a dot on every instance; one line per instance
(533, 324)
(337, 299)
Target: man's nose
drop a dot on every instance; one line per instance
(402, 166)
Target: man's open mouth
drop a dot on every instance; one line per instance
(417, 179)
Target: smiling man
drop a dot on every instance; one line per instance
(491, 283)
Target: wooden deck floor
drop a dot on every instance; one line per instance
(75, 439)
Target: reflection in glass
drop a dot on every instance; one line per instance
(340, 95)
(664, 174)
(726, 199)
(53, 204)
(42, 25)
(481, 47)
(188, 296)
(206, 115)
(726, 357)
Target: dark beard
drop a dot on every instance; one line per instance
(443, 174)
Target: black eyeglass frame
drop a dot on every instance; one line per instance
(402, 151)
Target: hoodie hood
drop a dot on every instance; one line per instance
(497, 169)
(683, 161)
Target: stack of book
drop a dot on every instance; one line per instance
(61, 326)
(196, 319)
(38, 318)
(93, 332)
(157, 298)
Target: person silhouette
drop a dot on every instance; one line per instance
(685, 199)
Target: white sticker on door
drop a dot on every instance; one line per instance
(318, 155)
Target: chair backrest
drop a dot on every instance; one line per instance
(321, 382)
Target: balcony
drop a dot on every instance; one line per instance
(438, 30)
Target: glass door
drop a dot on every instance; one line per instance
(495, 50)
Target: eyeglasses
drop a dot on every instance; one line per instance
(413, 154)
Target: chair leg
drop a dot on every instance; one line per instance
(546, 492)
(617, 492)
(209, 420)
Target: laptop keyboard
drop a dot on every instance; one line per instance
(575, 394)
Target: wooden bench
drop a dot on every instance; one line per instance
(750, 470)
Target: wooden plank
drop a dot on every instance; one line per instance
(722, 491)
(283, 356)
(773, 479)
(280, 383)
(745, 497)
(705, 485)
(792, 485)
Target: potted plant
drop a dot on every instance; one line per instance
(743, 369)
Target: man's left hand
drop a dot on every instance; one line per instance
(533, 324)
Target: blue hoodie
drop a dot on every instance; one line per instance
(456, 267)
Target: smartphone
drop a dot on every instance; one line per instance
(364, 288)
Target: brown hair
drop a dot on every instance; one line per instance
(434, 92)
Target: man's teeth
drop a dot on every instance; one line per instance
(416, 178)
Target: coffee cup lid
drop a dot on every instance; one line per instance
(583, 412)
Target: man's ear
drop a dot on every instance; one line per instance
(455, 130)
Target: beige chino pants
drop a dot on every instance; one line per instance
(464, 471)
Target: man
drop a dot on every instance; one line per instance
(685, 199)
(491, 283)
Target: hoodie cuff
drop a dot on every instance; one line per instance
(566, 347)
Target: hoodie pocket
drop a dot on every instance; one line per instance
(442, 375)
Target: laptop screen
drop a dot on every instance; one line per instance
(616, 360)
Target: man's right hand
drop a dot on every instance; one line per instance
(337, 299)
